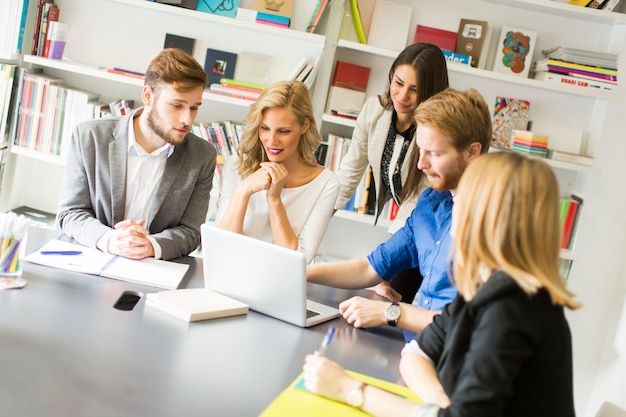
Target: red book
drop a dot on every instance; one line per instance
(351, 76)
(444, 39)
(568, 224)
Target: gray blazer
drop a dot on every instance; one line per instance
(93, 192)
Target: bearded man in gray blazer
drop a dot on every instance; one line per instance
(138, 186)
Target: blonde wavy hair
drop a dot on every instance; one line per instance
(506, 217)
(293, 95)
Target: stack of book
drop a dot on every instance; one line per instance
(529, 143)
(273, 20)
(237, 89)
(582, 68)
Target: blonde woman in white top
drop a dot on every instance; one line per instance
(275, 190)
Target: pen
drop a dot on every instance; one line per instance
(61, 252)
(326, 341)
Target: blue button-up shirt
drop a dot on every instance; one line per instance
(423, 242)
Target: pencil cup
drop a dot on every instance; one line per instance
(13, 232)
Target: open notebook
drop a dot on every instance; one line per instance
(149, 271)
(269, 278)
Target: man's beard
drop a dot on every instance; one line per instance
(154, 122)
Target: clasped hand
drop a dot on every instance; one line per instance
(130, 240)
(270, 176)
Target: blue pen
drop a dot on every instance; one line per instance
(61, 252)
(326, 341)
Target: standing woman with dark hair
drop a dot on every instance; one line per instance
(384, 139)
(275, 190)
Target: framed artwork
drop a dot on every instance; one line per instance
(219, 64)
(514, 52)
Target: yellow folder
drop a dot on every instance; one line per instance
(297, 401)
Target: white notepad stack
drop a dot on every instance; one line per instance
(194, 304)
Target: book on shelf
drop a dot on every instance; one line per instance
(121, 107)
(457, 57)
(181, 42)
(281, 8)
(15, 35)
(242, 85)
(126, 73)
(444, 39)
(195, 304)
(563, 79)
(56, 36)
(582, 3)
(473, 37)
(573, 69)
(514, 52)
(582, 56)
(297, 400)
(298, 68)
(253, 67)
(571, 158)
(530, 143)
(316, 16)
(390, 25)
(234, 92)
(348, 87)
(39, 16)
(337, 149)
(611, 5)
(321, 153)
(219, 64)
(51, 13)
(185, 4)
(508, 114)
(7, 77)
(596, 4)
(272, 19)
(227, 8)
(570, 213)
(149, 271)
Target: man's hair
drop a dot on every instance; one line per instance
(292, 95)
(506, 217)
(176, 67)
(463, 116)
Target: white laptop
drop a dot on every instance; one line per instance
(269, 278)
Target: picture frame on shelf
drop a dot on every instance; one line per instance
(514, 53)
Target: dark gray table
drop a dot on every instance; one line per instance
(65, 351)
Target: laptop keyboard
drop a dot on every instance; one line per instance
(311, 313)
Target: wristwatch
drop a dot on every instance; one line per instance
(392, 314)
(356, 397)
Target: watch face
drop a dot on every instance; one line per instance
(393, 312)
(356, 397)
